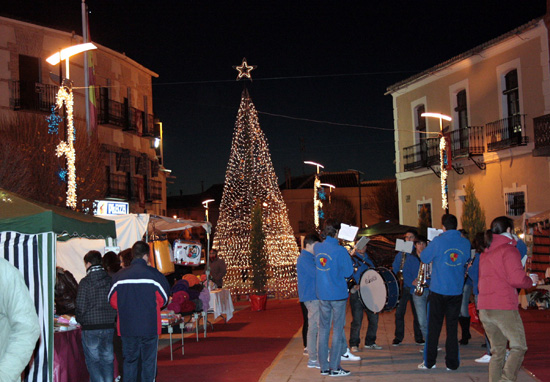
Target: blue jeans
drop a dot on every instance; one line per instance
(400, 317)
(421, 307)
(136, 349)
(313, 328)
(337, 311)
(357, 314)
(466, 293)
(99, 355)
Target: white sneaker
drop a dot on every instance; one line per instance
(485, 359)
(373, 346)
(424, 367)
(354, 349)
(305, 351)
(348, 356)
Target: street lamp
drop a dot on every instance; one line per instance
(65, 96)
(317, 204)
(443, 158)
(330, 186)
(205, 205)
(359, 173)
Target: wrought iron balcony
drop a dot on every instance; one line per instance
(542, 135)
(506, 133)
(128, 118)
(465, 143)
(117, 186)
(421, 155)
(155, 190)
(30, 95)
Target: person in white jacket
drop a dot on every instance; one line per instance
(19, 328)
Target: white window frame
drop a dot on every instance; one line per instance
(414, 105)
(501, 72)
(454, 89)
(513, 189)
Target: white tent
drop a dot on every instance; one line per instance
(130, 228)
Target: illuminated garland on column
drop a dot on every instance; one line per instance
(65, 96)
(250, 176)
(443, 168)
(317, 203)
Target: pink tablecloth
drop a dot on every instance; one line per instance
(68, 360)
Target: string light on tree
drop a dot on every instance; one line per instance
(250, 178)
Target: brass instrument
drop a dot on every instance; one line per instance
(421, 279)
(399, 274)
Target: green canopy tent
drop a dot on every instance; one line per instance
(28, 234)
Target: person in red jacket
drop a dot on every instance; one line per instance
(500, 274)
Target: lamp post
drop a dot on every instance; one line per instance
(359, 173)
(207, 272)
(317, 204)
(65, 96)
(443, 149)
(330, 186)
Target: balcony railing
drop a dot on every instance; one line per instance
(30, 95)
(464, 143)
(542, 135)
(467, 141)
(422, 154)
(155, 192)
(506, 133)
(129, 118)
(118, 186)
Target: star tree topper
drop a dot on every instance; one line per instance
(244, 70)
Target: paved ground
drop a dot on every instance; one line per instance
(392, 363)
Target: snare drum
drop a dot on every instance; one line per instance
(378, 289)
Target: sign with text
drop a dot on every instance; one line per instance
(109, 207)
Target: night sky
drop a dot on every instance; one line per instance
(318, 61)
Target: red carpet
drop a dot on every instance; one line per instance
(239, 350)
(537, 332)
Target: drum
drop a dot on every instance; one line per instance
(378, 289)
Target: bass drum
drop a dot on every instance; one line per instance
(378, 289)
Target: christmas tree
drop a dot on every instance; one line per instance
(473, 217)
(250, 179)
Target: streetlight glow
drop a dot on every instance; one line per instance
(437, 115)
(55, 58)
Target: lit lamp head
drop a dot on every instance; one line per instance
(66, 53)
(205, 202)
(318, 165)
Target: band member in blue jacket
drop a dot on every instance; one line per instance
(449, 254)
(333, 267)
(408, 264)
(361, 263)
(305, 270)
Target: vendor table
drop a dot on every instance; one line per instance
(220, 303)
(170, 328)
(69, 364)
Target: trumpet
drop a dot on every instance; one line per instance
(421, 279)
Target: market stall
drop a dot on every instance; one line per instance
(29, 232)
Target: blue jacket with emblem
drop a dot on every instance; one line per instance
(333, 265)
(449, 254)
(305, 269)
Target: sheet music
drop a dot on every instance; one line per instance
(434, 232)
(362, 243)
(404, 246)
(347, 232)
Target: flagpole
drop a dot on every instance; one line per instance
(86, 68)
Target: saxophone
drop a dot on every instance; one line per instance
(421, 279)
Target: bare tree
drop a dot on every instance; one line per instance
(383, 201)
(30, 167)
